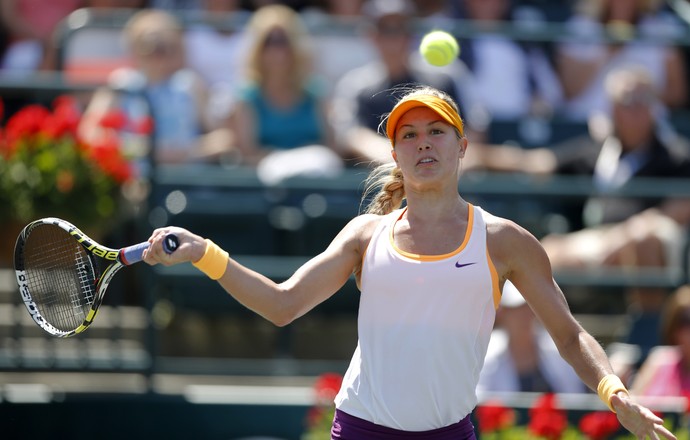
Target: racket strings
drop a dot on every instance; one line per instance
(86, 281)
(60, 275)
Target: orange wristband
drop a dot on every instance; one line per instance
(608, 386)
(214, 263)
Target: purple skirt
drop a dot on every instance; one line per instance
(347, 427)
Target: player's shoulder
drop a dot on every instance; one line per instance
(504, 230)
(364, 224)
(499, 225)
(358, 231)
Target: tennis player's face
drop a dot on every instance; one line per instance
(426, 145)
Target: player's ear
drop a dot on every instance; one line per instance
(394, 155)
(462, 142)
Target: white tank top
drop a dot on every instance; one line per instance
(424, 326)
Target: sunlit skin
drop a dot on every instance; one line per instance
(428, 151)
(427, 147)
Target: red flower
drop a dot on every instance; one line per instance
(26, 122)
(65, 169)
(599, 425)
(548, 425)
(546, 419)
(493, 416)
(115, 119)
(108, 157)
(143, 125)
(63, 121)
(327, 386)
(65, 101)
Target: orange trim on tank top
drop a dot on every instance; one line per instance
(494, 280)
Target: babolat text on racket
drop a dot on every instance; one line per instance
(63, 274)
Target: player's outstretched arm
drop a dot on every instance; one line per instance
(280, 303)
(520, 258)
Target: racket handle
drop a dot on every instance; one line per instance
(170, 243)
(134, 254)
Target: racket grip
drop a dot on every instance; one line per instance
(134, 254)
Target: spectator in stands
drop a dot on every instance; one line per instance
(521, 355)
(583, 64)
(159, 85)
(618, 231)
(514, 78)
(366, 92)
(666, 371)
(431, 274)
(32, 29)
(281, 106)
(214, 49)
(340, 44)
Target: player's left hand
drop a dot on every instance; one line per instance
(640, 420)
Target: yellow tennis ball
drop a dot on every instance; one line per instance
(439, 48)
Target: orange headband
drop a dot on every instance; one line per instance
(438, 105)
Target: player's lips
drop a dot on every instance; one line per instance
(426, 160)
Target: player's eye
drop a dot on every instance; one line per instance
(408, 135)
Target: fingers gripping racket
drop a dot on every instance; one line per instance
(58, 270)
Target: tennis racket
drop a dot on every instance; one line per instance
(59, 274)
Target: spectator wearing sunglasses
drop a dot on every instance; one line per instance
(279, 110)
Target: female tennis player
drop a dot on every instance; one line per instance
(431, 272)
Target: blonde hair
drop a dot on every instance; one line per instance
(279, 17)
(385, 185)
(152, 22)
(387, 181)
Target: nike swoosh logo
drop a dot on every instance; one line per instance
(458, 264)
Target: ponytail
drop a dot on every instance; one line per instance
(388, 180)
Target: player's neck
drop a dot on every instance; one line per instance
(436, 209)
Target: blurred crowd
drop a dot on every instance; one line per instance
(244, 79)
(299, 87)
